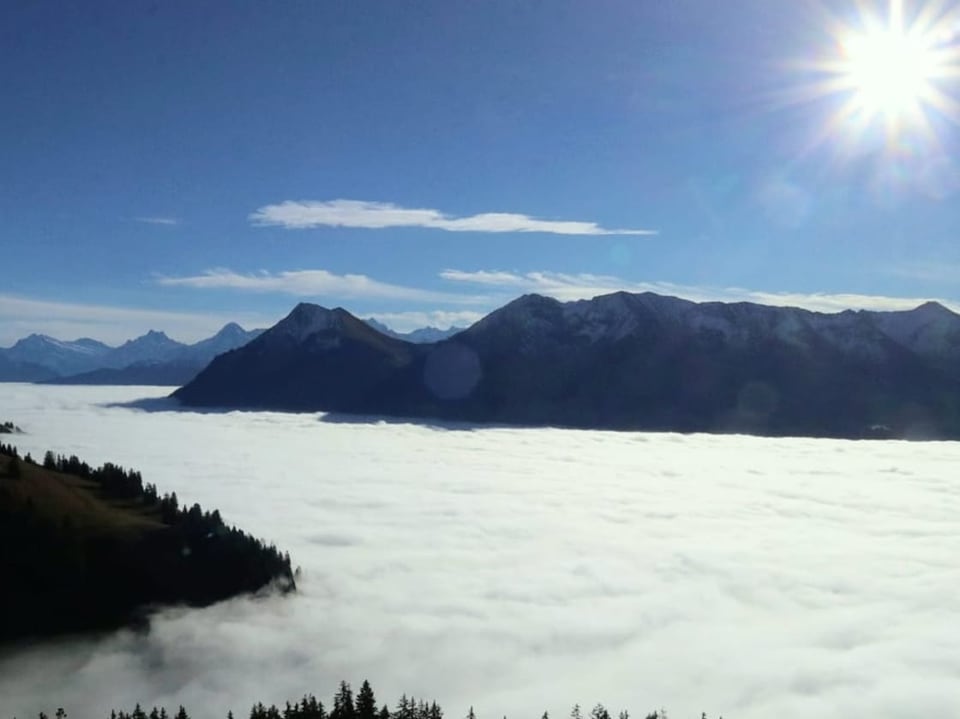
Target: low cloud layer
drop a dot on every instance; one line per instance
(518, 570)
(578, 286)
(381, 215)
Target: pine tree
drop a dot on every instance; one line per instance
(343, 707)
(366, 702)
(405, 708)
(575, 712)
(599, 712)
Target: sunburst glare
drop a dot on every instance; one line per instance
(890, 70)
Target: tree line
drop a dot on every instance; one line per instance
(344, 705)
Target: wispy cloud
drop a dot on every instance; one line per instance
(555, 284)
(831, 302)
(379, 215)
(584, 286)
(158, 220)
(20, 316)
(315, 283)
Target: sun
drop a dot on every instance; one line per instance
(891, 70)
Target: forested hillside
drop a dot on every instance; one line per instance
(85, 548)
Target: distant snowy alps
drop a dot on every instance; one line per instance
(522, 570)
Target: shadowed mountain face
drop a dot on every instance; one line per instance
(15, 371)
(620, 361)
(313, 358)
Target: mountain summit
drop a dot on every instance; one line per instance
(314, 357)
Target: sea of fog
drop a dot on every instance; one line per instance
(521, 570)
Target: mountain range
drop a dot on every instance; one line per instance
(423, 335)
(152, 358)
(618, 361)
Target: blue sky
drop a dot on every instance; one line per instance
(175, 165)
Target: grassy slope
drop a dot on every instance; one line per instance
(74, 560)
(58, 497)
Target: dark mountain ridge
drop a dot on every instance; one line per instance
(618, 361)
(313, 357)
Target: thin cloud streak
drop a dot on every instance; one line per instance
(579, 286)
(381, 215)
(158, 220)
(315, 283)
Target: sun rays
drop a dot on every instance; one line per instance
(889, 71)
